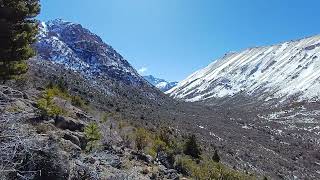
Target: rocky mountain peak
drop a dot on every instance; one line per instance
(79, 49)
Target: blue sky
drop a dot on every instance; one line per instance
(173, 38)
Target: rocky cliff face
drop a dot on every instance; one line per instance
(290, 69)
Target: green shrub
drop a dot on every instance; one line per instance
(151, 152)
(142, 137)
(121, 124)
(207, 169)
(105, 117)
(58, 92)
(165, 135)
(48, 108)
(157, 145)
(192, 148)
(60, 84)
(93, 136)
(77, 101)
(185, 165)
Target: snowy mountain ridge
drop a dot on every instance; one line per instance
(279, 71)
(80, 50)
(161, 84)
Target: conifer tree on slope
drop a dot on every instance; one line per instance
(192, 148)
(18, 30)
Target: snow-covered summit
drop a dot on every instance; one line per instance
(80, 50)
(161, 84)
(279, 71)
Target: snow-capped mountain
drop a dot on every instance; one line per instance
(80, 50)
(161, 84)
(290, 69)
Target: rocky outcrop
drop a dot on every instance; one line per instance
(69, 123)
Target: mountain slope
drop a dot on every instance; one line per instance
(161, 84)
(279, 71)
(93, 70)
(80, 50)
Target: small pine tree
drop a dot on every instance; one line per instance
(192, 148)
(93, 135)
(92, 132)
(18, 30)
(141, 140)
(164, 134)
(216, 157)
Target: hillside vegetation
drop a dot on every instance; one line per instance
(55, 138)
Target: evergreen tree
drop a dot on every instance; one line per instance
(216, 156)
(18, 30)
(93, 135)
(192, 148)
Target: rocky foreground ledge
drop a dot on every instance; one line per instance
(32, 147)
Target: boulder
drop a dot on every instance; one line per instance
(11, 93)
(51, 162)
(165, 159)
(17, 94)
(143, 157)
(74, 139)
(70, 148)
(168, 173)
(105, 159)
(69, 123)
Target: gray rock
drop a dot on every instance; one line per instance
(149, 159)
(10, 92)
(164, 159)
(69, 147)
(162, 168)
(143, 157)
(105, 159)
(6, 91)
(69, 123)
(168, 173)
(173, 176)
(74, 139)
(25, 96)
(17, 94)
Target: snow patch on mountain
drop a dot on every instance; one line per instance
(279, 71)
(161, 84)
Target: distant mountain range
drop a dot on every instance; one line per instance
(161, 84)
